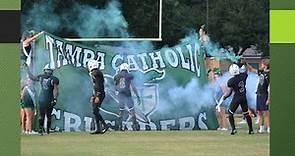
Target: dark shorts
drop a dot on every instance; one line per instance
(236, 102)
(28, 103)
(101, 98)
(125, 101)
(261, 103)
(45, 111)
(44, 104)
(96, 106)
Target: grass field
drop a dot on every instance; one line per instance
(147, 143)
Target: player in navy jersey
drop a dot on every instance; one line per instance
(237, 84)
(123, 86)
(98, 96)
(47, 97)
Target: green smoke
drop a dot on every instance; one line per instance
(211, 48)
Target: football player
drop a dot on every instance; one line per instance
(47, 97)
(123, 86)
(237, 84)
(98, 95)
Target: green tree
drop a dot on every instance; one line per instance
(239, 23)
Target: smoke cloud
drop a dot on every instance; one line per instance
(83, 20)
(87, 21)
(93, 22)
(193, 96)
(41, 17)
(251, 86)
(211, 48)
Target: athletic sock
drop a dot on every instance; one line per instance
(134, 120)
(41, 124)
(249, 122)
(120, 123)
(100, 118)
(98, 127)
(261, 128)
(97, 120)
(232, 121)
(48, 126)
(135, 125)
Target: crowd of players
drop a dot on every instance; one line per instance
(237, 84)
(123, 86)
(49, 94)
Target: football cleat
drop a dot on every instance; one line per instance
(48, 131)
(233, 132)
(96, 132)
(261, 129)
(251, 132)
(105, 129)
(135, 127)
(41, 130)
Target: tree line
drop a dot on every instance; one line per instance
(238, 23)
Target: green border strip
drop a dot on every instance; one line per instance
(9, 91)
(282, 4)
(10, 4)
(280, 123)
(282, 26)
(9, 95)
(282, 138)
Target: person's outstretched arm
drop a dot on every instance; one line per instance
(31, 39)
(251, 68)
(31, 76)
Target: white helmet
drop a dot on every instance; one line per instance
(46, 67)
(234, 70)
(124, 66)
(92, 64)
(243, 69)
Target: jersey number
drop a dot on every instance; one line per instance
(45, 84)
(241, 87)
(122, 83)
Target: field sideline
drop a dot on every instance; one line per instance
(147, 143)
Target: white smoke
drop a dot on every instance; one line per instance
(93, 22)
(88, 21)
(41, 17)
(192, 96)
(84, 20)
(195, 96)
(251, 86)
